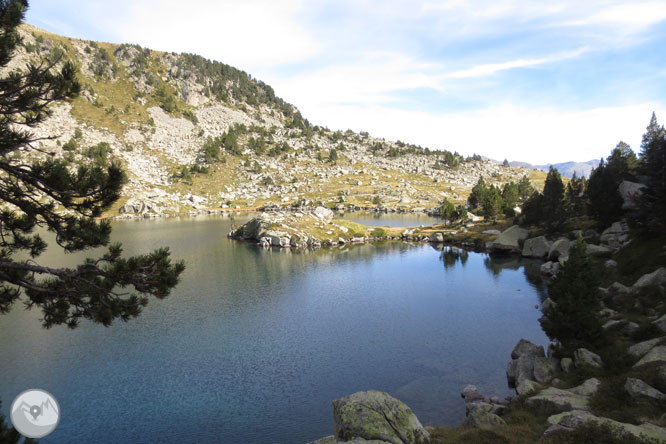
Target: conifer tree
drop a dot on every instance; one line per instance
(653, 157)
(552, 204)
(573, 321)
(478, 193)
(46, 193)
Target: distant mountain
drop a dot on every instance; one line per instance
(565, 168)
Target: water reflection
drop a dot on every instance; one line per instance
(451, 255)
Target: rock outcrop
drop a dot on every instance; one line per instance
(510, 240)
(375, 415)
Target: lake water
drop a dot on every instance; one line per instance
(254, 344)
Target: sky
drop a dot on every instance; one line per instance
(535, 81)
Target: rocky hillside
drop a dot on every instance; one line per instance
(196, 135)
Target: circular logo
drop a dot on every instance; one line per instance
(35, 413)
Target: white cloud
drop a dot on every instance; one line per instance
(536, 135)
(635, 15)
(249, 35)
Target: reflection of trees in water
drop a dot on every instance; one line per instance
(450, 256)
(531, 268)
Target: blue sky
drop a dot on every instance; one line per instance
(538, 81)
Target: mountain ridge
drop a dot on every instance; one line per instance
(199, 135)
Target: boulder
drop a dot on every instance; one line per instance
(587, 388)
(599, 251)
(558, 249)
(571, 420)
(545, 369)
(638, 389)
(255, 226)
(526, 348)
(470, 394)
(375, 415)
(526, 387)
(437, 238)
(640, 349)
(559, 399)
(631, 193)
(547, 305)
(656, 354)
(615, 233)
(567, 364)
(660, 323)
(537, 247)
(550, 269)
(657, 277)
(478, 418)
(583, 357)
(323, 213)
(510, 239)
(519, 369)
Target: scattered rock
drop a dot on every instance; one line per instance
(567, 364)
(640, 349)
(631, 193)
(559, 399)
(576, 418)
(639, 389)
(661, 323)
(437, 238)
(615, 235)
(550, 269)
(584, 357)
(323, 213)
(375, 415)
(527, 348)
(545, 369)
(520, 369)
(657, 277)
(599, 251)
(559, 248)
(478, 418)
(526, 387)
(587, 388)
(509, 240)
(656, 354)
(470, 394)
(537, 247)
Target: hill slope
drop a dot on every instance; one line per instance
(197, 135)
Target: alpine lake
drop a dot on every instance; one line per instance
(254, 344)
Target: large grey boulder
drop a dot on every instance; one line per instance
(510, 239)
(559, 248)
(437, 238)
(323, 213)
(527, 348)
(587, 388)
(656, 354)
(375, 415)
(615, 234)
(631, 193)
(550, 269)
(255, 226)
(545, 369)
(559, 399)
(585, 358)
(537, 247)
(638, 389)
(660, 323)
(640, 349)
(657, 277)
(479, 418)
(519, 370)
(573, 419)
(599, 250)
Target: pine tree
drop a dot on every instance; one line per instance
(653, 157)
(552, 205)
(447, 211)
(525, 188)
(32, 195)
(478, 194)
(574, 321)
(492, 203)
